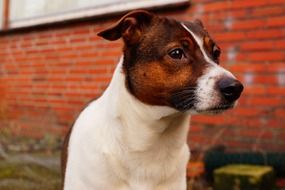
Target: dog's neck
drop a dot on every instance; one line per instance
(144, 125)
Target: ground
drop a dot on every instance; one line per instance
(33, 164)
(28, 163)
(30, 172)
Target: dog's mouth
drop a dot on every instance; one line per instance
(186, 100)
(217, 109)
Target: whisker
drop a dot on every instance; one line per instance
(188, 89)
(183, 93)
(183, 96)
(187, 105)
(186, 101)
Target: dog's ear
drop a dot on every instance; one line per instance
(129, 27)
(199, 22)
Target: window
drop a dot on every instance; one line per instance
(24, 13)
(1, 13)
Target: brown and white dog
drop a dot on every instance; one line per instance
(134, 136)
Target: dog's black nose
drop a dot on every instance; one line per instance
(230, 88)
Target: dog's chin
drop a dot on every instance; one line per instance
(215, 109)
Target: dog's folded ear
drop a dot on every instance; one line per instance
(199, 22)
(129, 27)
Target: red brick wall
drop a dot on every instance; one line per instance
(47, 75)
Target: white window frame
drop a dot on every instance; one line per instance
(96, 12)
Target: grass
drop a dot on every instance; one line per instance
(30, 172)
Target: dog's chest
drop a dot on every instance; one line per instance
(145, 170)
(98, 159)
(115, 144)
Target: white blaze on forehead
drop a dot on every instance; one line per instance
(200, 43)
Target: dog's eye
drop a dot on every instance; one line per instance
(216, 52)
(177, 53)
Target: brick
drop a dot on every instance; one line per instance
(104, 62)
(45, 35)
(58, 42)
(276, 123)
(84, 47)
(265, 34)
(78, 39)
(280, 112)
(272, 90)
(248, 67)
(255, 90)
(248, 24)
(237, 145)
(111, 53)
(266, 101)
(263, 45)
(276, 67)
(276, 21)
(265, 79)
(93, 54)
(98, 71)
(237, 4)
(209, 119)
(265, 11)
(255, 134)
(63, 34)
(267, 56)
(230, 36)
(281, 135)
(202, 140)
(247, 112)
(81, 31)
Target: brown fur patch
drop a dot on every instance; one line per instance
(64, 155)
(152, 75)
(153, 82)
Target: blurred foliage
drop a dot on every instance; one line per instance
(29, 164)
(12, 143)
(30, 172)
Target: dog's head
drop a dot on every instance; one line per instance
(175, 64)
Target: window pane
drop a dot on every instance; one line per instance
(25, 9)
(1, 13)
(25, 13)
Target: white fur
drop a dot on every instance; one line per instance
(120, 143)
(206, 94)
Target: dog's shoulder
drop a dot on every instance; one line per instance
(66, 141)
(64, 154)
